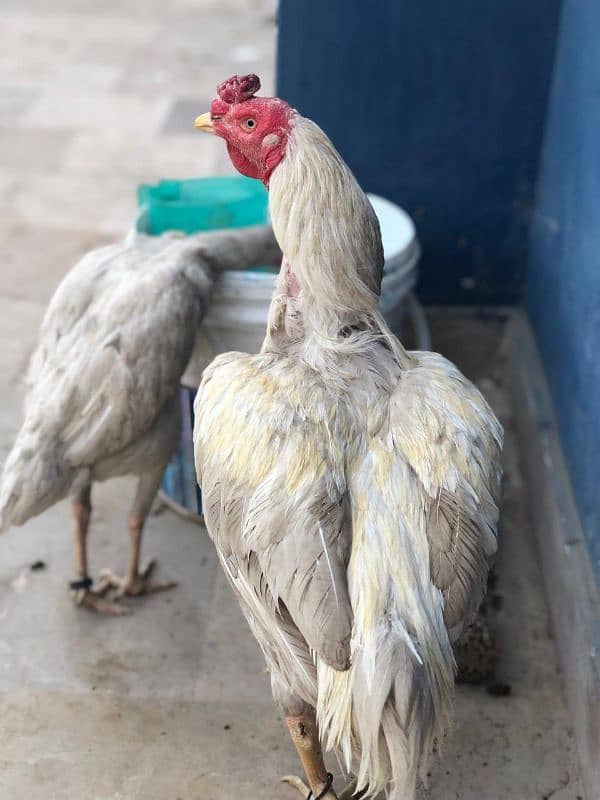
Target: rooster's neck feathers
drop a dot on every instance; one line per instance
(324, 223)
(329, 236)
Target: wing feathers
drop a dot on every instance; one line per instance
(452, 440)
(458, 558)
(280, 496)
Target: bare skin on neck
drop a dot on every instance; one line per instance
(292, 281)
(285, 324)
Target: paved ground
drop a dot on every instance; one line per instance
(173, 702)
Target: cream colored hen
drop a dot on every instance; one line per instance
(102, 397)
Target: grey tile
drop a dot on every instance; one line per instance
(35, 258)
(182, 113)
(32, 148)
(14, 100)
(103, 110)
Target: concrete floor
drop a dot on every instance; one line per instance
(173, 702)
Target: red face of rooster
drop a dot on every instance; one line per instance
(256, 129)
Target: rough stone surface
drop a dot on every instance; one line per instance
(173, 701)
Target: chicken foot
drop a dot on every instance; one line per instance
(84, 593)
(138, 581)
(304, 733)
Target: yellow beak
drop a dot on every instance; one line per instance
(204, 123)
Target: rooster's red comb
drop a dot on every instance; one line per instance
(238, 88)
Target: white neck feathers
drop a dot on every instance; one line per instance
(329, 235)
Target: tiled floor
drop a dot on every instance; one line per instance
(93, 102)
(173, 702)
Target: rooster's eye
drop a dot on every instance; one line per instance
(249, 124)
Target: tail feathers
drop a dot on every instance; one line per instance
(35, 476)
(384, 731)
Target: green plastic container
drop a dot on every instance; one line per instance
(201, 204)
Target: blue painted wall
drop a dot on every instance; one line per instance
(563, 295)
(439, 106)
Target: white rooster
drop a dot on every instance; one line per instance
(349, 486)
(102, 397)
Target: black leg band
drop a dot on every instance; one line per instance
(327, 787)
(82, 583)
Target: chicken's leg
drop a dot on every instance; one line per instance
(83, 593)
(137, 582)
(305, 735)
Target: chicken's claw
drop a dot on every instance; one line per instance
(297, 783)
(95, 600)
(135, 586)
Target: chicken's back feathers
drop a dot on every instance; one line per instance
(115, 340)
(356, 526)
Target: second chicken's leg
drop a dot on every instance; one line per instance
(137, 582)
(83, 593)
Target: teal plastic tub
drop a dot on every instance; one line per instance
(201, 204)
